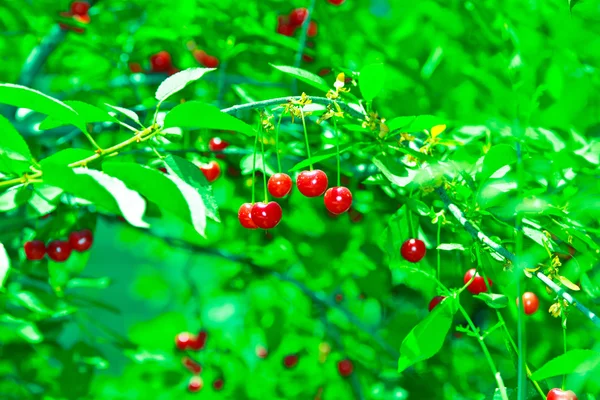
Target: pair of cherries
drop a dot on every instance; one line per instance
(59, 250)
(288, 24)
(186, 340)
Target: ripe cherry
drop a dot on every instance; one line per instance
(182, 340)
(59, 250)
(198, 342)
(261, 352)
(284, 27)
(530, 303)
(245, 216)
(345, 367)
(279, 185)
(81, 240)
(196, 384)
(298, 16)
(266, 215)
(312, 29)
(211, 171)
(338, 199)
(478, 284)
(79, 8)
(336, 2)
(217, 144)
(308, 58)
(413, 250)
(339, 298)
(209, 61)
(162, 169)
(135, 67)
(323, 72)
(218, 384)
(290, 361)
(35, 250)
(160, 62)
(312, 183)
(557, 394)
(435, 301)
(192, 365)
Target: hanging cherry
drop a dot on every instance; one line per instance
(245, 216)
(196, 383)
(211, 171)
(266, 215)
(345, 367)
(435, 301)
(312, 183)
(35, 250)
(413, 250)
(279, 185)
(478, 285)
(59, 250)
(338, 199)
(81, 240)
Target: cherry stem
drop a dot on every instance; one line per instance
(254, 164)
(564, 328)
(337, 144)
(306, 138)
(439, 256)
(277, 142)
(262, 147)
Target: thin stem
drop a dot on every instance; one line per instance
(254, 163)
(262, 151)
(306, 138)
(439, 256)
(522, 381)
(337, 145)
(277, 143)
(564, 328)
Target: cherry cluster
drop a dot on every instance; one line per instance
(288, 24)
(78, 12)
(59, 250)
(187, 341)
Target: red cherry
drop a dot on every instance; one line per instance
(35, 250)
(245, 216)
(261, 352)
(308, 58)
(413, 250)
(336, 2)
(182, 340)
(192, 365)
(279, 185)
(172, 71)
(135, 67)
(312, 183)
(345, 367)
(435, 301)
(478, 284)
(339, 298)
(312, 29)
(81, 240)
(163, 170)
(210, 61)
(211, 171)
(199, 55)
(217, 144)
(323, 72)
(290, 361)
(338, 199)
(79, 8)
(195, 384)
(298, 16)
(59, 250)
(557, 394)
(198, 342)
(266, 216)
(284, 27)
(218, 384)
(160, 62)
(530, 302)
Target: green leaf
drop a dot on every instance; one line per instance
(27, 330)
(423, 122)
(493, 300)
(21, 96)
(400, 122)
(15, 157)
(4, 265)
(417, 206)
(66, 157)
(451, 246)
(307, 77)
(427, 338)
(323, 155)
(497, 157)
(566, 282)
(572, 4)
(128, 113)
(577, 361)
(371, 81)
(14, 197)
(92, 283)
(395, 179)
(247, 163)
(191, 174)
(88, 112)
(106, 192)
(168, 191)
(31, 302)
(195, 114)
(178, 81)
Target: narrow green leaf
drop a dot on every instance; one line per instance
(168, 191)
(128, 113)
(192, 175)
(305, 76)
(566, 282)
(178, 81)
(493, 300)
(106, 192)
(418, 206)
(93, 283)
(576, 361)
(89, 113)
(4, 265)
(400, 122)
(21, 96)
(26, 329)
(497, 157)
(371, 81)
(451, 246)
(195, 114)
(427, 338)
(15, 157)
(66, 157)
(323, 155)
(395, 179)
(31, 302)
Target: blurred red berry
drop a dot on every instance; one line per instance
(308, 58)
(284, 27)
(323, 72)
(161, 61)
(261, 352)
(336, 2)
(290, 361)
(135, 67)
(59, 250)
(35, 250)
(182, 340)
(198, 342)
(192, 365)
(218, 384)
(217, 144)
(80, 8)
(345, 367)
(211, 171)
(196, 384)
(298, 16)
(435, 301)
(312, 29)
(81, 240)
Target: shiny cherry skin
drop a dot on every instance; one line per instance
(266, 215)
(478, 285)
(35, 250)
(218, 384)
(196, 384)
(336, 2)
(312, 29)
(531, 303)
(279, 185)
(557, 394)
(217, 144)
(245, 216)
(345, 367)
(312, 183)
(59, 250)
(80, 8)
(161, 61)
(81, 240)
(338, 199)
(182, 340)
(198, 342)
(298, 16)
(211, 171)
(413, 250)
(290, 361)
(435, 301)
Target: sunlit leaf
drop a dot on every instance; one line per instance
(371, 80)
(15, 157)
(577, 361)
(178, 81)
(305, 76)
(195, 114)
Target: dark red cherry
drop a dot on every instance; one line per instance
(312, 183)
(160, 62)
(298, 16)
(284, 27)
(81, 240)
(478, 284)
(135, 67)
(266, 216)
(290, 361)
(192, 365)
(312, 29)
(217, 144)
(245, 216)
(531, 303)
(210, 61)
(195, 384)
(435, 301)
(198, 342)
(218, 384)
(182, 340)
(80, 8)
(336, 2)
(413, 250)
(557, 394)
(279, 185)
(339, 298)
(59, 250)
(211, 171)
(338, 199)
(35, 250)
(345, 367)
